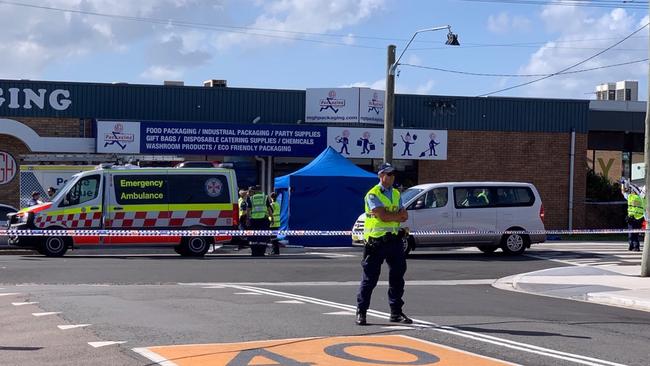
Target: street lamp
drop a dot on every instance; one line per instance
(389, 102)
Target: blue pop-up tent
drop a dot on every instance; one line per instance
(327, 194)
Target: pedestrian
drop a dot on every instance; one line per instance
(35, 200)
(51, 191)
(383, 241)
(274, 220)
(634, 218)
(259, 209)
(243, 217)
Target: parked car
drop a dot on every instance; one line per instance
(4, 221)
(490, 208)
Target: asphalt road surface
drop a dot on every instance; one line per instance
(228, 308)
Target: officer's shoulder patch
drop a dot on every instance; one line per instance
(372, 196)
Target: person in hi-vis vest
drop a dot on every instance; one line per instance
(275, 222)
(383, 240)
(635, 213)
(259, 209)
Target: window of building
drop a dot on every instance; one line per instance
(611, 95)
(628, 94)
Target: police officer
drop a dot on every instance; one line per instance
(259, 209)
(384, 212)
(275, 222)
(635, 211)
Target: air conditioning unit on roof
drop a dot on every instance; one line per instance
(214, 83)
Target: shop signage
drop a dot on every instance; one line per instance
(15, 98)
(210, 138)
(407, 143)
(7, 167)
(344, 105)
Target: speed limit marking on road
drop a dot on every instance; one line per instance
(389, 350)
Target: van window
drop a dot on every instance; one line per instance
(84, 190)
(473, 197)
(195, 188)
(140, 189)
(514, 196)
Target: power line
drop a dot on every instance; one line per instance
(522, 75)
(570, 67)
(641, 5)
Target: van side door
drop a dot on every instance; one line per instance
(475, 211)
(82, 204)
(431, 212)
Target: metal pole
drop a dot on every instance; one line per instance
(571, 173)
(645, 260)
(389, 105)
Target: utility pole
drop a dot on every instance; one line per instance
(389, 105)
(645, 261)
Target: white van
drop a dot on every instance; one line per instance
(470, 206)
(133, 198)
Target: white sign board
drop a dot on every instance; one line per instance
(407, 143)
(118, 137)
(325, 105)
(371, 106)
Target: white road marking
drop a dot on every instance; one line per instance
(153, 357)
(24, 303)
(47, 313)
(73, 326)
(399, 327)
(210, 287)
(248, 293)
(289, 302)
(9, 294)
(501, 342)
(340, 313)
(487, 281)
(106, 343)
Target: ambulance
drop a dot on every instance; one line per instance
(127, 197)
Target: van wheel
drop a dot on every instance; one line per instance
(488, 249)
(55, 246)
(408, 243)
(194, 246)
(514, 243)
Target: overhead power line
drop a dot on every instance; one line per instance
(567, 68)
(625, 4)
(522, 75)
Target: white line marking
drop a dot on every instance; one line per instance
(340, 313)
(103, 344)
(10, 294)
(73, 326)
(24, 303)
(289, 302)
(399, 327)
(456, 349)
(502, 342)
(487, 281)
(47, 313)
(152, 356)
(248, 293)
(216, 286)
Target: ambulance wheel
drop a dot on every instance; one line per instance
(179, 249)
(54, 246)
(195, 246)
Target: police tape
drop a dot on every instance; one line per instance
(285, 233)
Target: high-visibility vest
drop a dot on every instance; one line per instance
(241, 202)
(276, 215)
(373, 226)
(483, 196)
(635, 206)
(258, 206)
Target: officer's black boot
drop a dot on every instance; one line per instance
(361, 317)
(400, 318)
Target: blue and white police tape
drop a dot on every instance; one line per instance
(208, 232)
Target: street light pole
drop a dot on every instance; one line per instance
(645, 259)
(389, 100)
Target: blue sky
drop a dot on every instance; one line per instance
(341, 43)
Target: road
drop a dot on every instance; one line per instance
(298, 309)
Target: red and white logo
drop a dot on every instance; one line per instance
(7, 167)
(213, 187)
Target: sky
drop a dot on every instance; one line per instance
(299, 44)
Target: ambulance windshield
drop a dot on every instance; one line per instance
(63, 190)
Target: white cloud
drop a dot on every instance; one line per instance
(425, 88)
(587, 34)
(312, 16)
(160, 73)
(505, 23)
(379, 84)
(55, 36)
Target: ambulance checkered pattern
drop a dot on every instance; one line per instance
(71, 221)
(151, 219)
